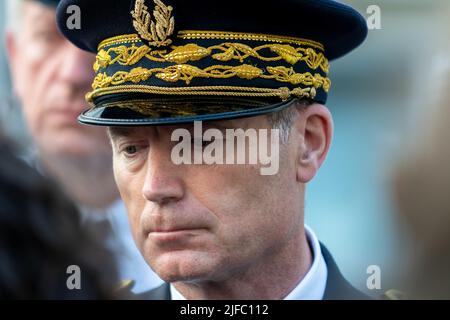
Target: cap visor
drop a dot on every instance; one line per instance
(148, 112)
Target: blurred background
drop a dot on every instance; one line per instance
(377, 91)
(375, 94)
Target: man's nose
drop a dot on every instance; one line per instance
(163, 184)
(77, 67)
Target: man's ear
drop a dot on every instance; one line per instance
(315, 128)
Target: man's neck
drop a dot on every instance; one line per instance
(272, 278)
(89, 182)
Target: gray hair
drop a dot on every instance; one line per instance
(284, 119)
(13, 15)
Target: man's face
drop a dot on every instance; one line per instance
(203, 222)
(51, 77)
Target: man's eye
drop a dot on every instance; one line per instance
(130, 150)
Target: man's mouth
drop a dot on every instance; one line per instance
(174, 235)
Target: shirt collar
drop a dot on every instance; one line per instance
(313, 284)
(175, 294)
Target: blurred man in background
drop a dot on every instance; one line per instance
(50, 78)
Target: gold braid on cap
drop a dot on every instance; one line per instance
(224, 52)
(139, 59)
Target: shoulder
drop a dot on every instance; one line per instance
(338, 288)
(124, 292)
(160, 293)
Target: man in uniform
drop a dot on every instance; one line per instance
(165, 69)
(51, 77)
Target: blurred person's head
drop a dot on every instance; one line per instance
(41, 236)
(421, 185)
(50, 78)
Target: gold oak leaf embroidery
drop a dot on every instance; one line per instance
(157, 31)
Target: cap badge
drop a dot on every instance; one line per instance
(157, 31)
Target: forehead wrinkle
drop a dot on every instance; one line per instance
(245, 123)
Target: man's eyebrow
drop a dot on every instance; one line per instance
(214, 125)
(117, 132)
(227, 124)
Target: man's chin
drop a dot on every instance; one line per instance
(184, 267)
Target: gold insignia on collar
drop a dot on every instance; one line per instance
(156, 32)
